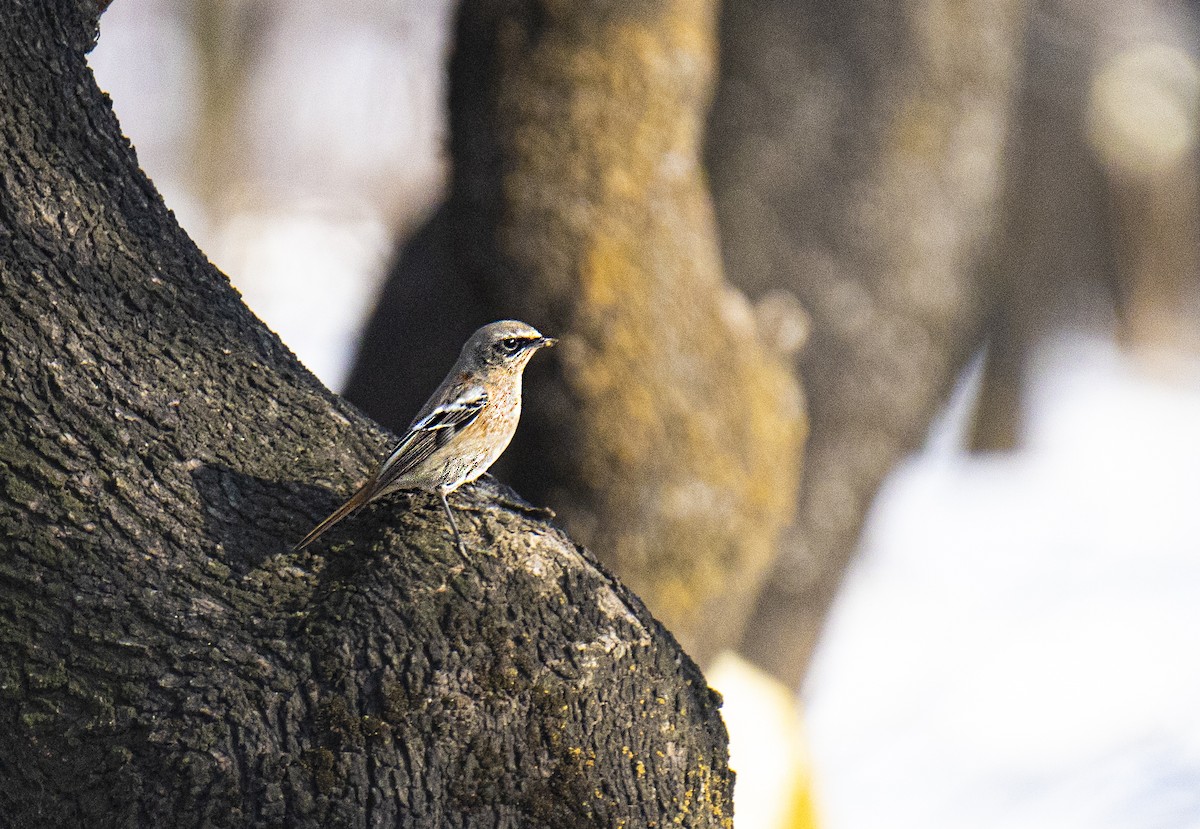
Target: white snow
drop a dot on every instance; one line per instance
(1018, 644)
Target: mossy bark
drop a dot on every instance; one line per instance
(164, 659)
(668, 434)
(855, 153)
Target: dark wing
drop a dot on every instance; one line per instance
(424, 437)
(431, 433)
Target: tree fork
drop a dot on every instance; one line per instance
(166, 660)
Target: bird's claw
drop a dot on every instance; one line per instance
(497, 496)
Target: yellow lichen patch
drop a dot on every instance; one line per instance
(686, 432)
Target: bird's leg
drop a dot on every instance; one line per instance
(453, 524)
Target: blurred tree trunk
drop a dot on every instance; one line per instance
(1144, 130)
(1053, 258)
(669, 436)
(855, 153)
(227, 35)
(167, 661)
(1102, 210)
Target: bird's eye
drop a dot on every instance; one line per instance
(510, 345)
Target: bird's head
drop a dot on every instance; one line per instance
(508, 343)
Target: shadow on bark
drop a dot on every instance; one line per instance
(243, 514)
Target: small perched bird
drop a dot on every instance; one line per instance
(460, 431)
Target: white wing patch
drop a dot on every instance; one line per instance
(452, 414)
(431, 433)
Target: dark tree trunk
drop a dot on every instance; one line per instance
(166, 661)
(855, 153)
(1055, 239)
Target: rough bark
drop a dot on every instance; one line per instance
(164, 659)
(669, 434)
(854, 152)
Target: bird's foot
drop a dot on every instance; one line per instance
(495, 495)
(522, 507)
(526, 508)
(462, 550)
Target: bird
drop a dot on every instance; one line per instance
(461, 430)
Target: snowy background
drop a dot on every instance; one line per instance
(1018, 642)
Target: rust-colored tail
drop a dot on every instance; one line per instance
(364, 494)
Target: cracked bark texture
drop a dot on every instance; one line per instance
(667, 432)
(855, 153)
(164, 659)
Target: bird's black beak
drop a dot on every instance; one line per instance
(545, 342)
